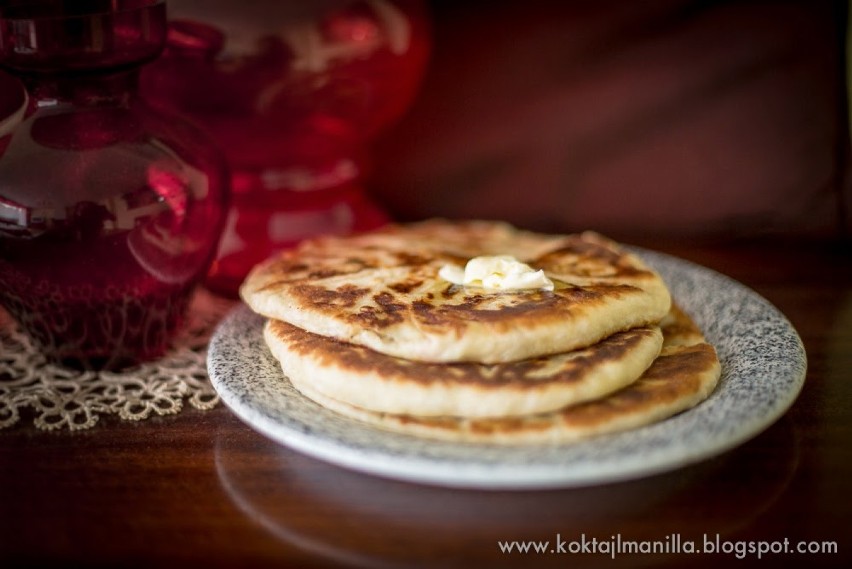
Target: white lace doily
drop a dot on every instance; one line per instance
(67, 399)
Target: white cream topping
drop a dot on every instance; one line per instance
(500, 272)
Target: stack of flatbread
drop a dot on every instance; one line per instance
(370, 327)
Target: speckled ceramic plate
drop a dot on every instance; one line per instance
(763, 368)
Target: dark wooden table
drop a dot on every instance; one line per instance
(202, 488)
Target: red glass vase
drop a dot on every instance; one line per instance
(110, 211)
(293, 92)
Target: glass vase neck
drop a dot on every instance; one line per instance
(53, 36)
(84, 90)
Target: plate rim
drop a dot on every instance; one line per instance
(427, 469)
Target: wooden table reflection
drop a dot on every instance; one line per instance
(201, 488)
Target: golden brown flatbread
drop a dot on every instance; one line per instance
(377, 382)
(382, 290)
(681, 377)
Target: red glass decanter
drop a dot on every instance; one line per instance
(293, 92)
(110, 212)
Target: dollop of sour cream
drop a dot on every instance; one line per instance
(499, 272)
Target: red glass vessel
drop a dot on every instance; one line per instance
(293, 92)
(110, 212)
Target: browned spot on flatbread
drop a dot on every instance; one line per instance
(387, 311)
(584, 257)
(323, 273)
(450, 291)
(407, 286)
(507, 425)
(439, 422)
(410, 259)
(345, 296)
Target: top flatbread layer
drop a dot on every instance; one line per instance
(382, 290)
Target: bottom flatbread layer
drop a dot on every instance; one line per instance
(678, 380)
(376, 382)
(684, 374)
